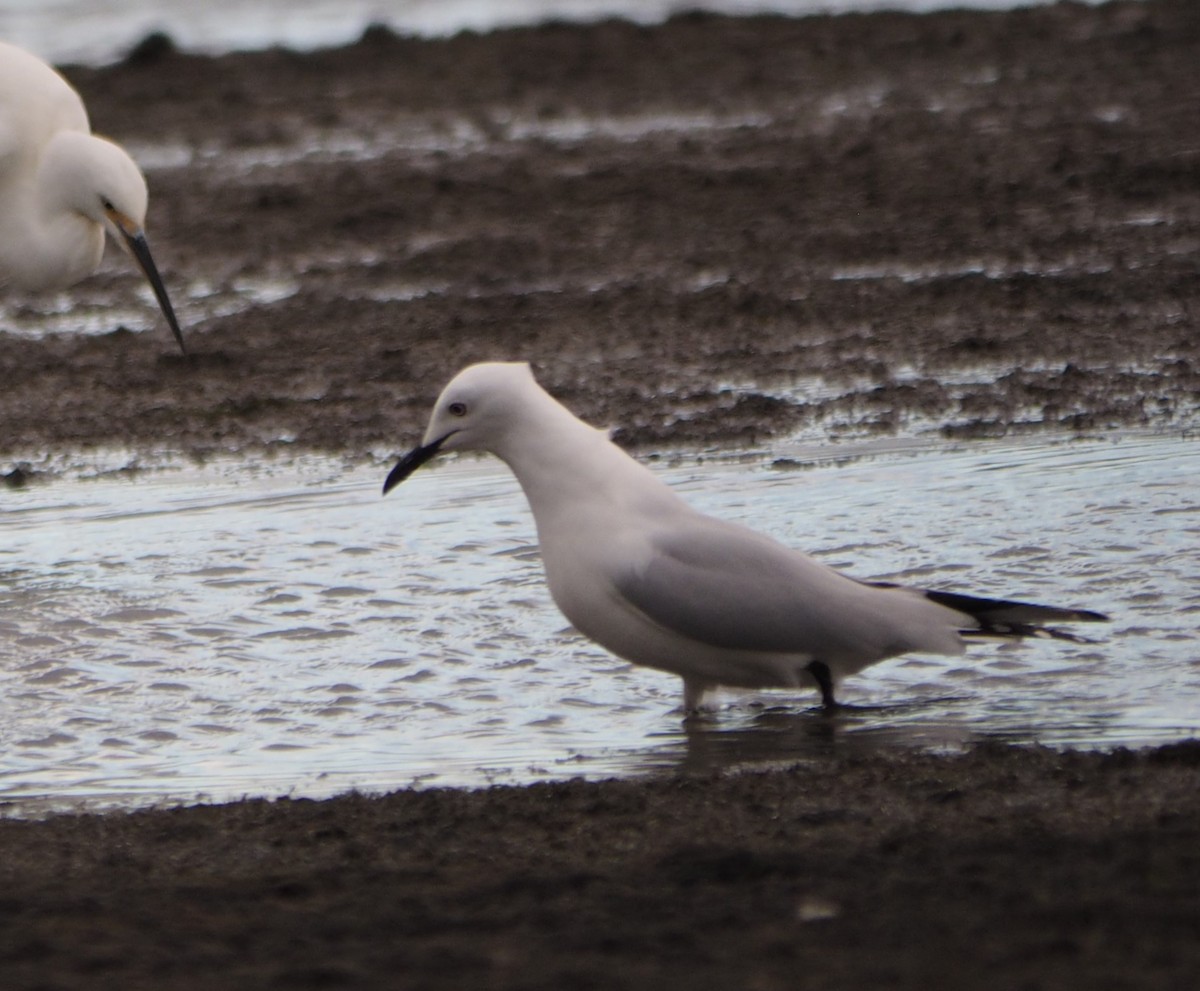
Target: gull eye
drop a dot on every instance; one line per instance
(457, 409)
(107, 204)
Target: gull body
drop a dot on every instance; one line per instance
(635, 568)
(62, 187)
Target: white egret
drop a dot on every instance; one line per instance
(658, 583)
(62, 187)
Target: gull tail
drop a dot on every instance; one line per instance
(1009, 620)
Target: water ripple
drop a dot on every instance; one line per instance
(237, 631)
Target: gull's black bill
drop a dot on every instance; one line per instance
(411, 462)
(141, 251)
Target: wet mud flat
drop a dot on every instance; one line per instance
(710, 232)
(1000, 868)
(713, 232)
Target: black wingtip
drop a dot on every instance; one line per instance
(1002, 612)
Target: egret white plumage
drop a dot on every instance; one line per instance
(637, 570)
(62, 187)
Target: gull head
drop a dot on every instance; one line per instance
(477, 411)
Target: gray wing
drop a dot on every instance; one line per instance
(728, 586)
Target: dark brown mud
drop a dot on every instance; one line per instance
(715, 231)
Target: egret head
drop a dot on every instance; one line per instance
(92, 176)
(111, 188)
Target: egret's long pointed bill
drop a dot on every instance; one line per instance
(411, 462)
(141, 251)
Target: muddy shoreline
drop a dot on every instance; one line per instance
(714, 232)
(718, 231)
(1000, 868)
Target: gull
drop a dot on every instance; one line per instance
(62, 187)
(636, 569)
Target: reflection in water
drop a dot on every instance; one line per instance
(779, 736)
(206, 633)
(783, 737)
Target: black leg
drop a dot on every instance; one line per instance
(820, 672)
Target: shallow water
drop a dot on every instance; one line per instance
(102, 30)
(207, 632)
